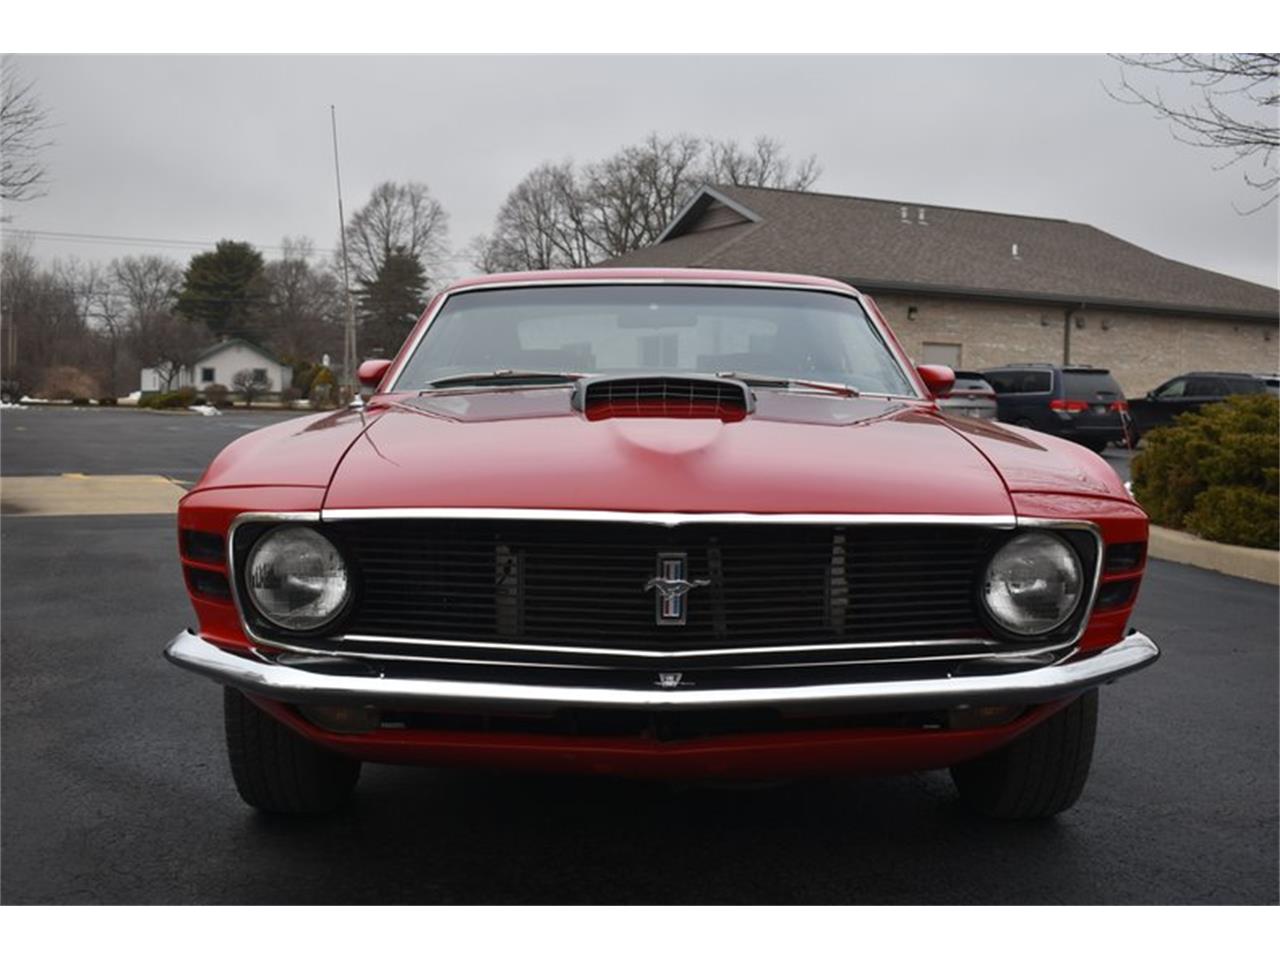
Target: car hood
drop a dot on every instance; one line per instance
(795, 454)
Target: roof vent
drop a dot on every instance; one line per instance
(920, 217)
(688, 397)
(1014, 252)
(906, 214)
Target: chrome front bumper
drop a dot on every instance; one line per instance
(334, 680)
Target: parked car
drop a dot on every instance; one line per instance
(1187, 393)
(1080, 403)
(1271, 381)
(971, 396)
(663, 523)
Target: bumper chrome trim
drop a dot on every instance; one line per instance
(364, 685)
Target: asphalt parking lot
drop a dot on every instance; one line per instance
(114, 784)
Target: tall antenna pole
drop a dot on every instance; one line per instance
(349, 337)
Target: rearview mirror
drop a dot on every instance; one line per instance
(372, 371)
(937, 378)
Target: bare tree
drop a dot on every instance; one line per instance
(636, 192)
(304, 311)
(1235, 106)
(399, 218)
(764, 165)
(168, 343)
(101, 310)
(147, 284)
(23, 125)
(540, 225)
(250, 384)
(562, 216)
(44, 322)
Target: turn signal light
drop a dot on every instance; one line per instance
(342, 719)
(1115, 594)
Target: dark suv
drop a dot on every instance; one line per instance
(1084, 404)
(1191, 391)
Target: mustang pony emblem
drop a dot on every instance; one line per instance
(671, 587)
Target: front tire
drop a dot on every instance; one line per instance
(277, 771)
(1038, 775)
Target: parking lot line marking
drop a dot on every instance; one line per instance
(78, 494)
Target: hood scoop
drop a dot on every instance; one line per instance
(687, 397)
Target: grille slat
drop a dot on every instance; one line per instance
(583, 582)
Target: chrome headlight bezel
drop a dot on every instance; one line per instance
(1027, 542)
(257, 612)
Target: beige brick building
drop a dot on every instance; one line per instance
(975, 289)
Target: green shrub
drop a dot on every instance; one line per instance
(303, 373)
(1236, 515)
(174, 399)
(323, 392)
(1216, 472)
(181, 398)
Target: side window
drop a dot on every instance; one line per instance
(1000, 382)
(206, 374)
(1036, 381)
(1173, 390)
(1246, 386)
(1204, 387)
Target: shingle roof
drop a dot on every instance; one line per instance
(234, 341)
(969, 252)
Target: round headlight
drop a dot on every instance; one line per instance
(296, 578)
(1033, 584)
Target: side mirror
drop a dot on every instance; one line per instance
(372, 371)
(1151, 394)
(937, 378)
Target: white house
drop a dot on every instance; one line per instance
(219, 364)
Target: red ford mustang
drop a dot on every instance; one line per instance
(660, 523)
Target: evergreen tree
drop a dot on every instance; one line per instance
(225, 288)
(391, 302)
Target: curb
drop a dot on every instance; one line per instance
(1251, 563)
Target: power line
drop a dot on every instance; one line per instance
(167, 243)
(110, 238)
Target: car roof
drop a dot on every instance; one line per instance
(1069, 368)
(1224, 373)
(650, 274)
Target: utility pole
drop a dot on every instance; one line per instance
(349, 338)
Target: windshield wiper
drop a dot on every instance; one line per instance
(761, 380)
(505, 376)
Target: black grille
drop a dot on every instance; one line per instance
(663, 396)
(583, 583)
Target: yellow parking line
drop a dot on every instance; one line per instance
(78, 494)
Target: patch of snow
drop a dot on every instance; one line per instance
(205, 410)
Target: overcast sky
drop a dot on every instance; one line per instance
(201, 148)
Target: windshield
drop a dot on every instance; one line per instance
(643, 328)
